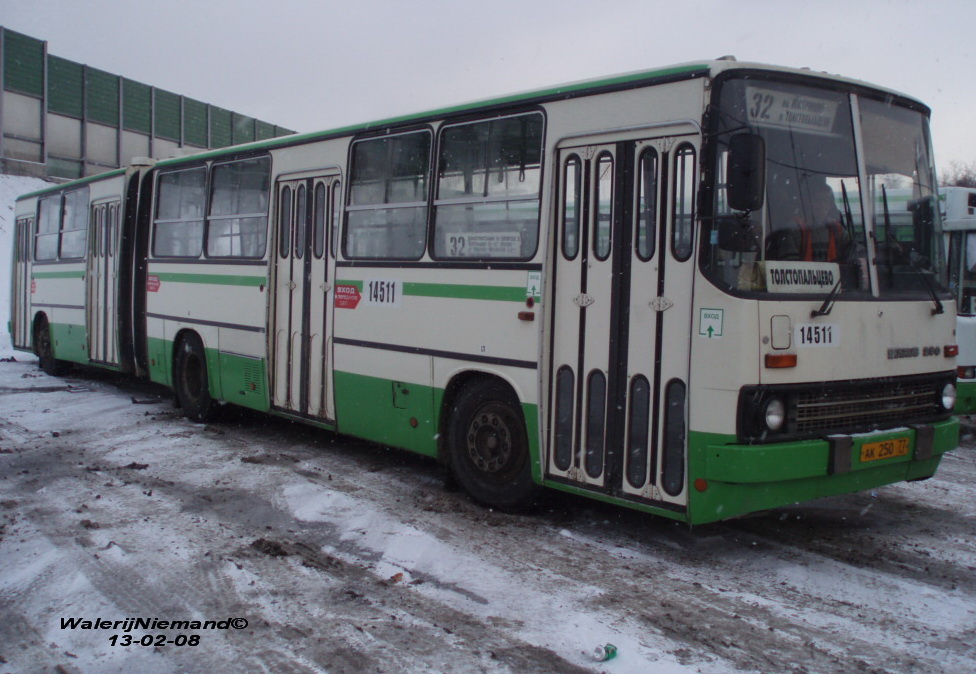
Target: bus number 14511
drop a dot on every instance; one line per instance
(383, 291)
(817, 334)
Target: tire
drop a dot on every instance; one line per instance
(489, 447)
(191, 382)
(44, 349)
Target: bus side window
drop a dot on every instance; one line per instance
(387, 209)
(604, 206)
(488, 183)
(180, 206)
(637, 431)
(113, 228)
(683, 213)
(572, 206)
(48, 226)
(98, 230)
(284, 223)
(22, 240)
(336, 219)
(565, 388)
(318, 223)
(74, 226)
(301, 204)
(237, 225)
(647, 204)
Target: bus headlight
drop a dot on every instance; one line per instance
(775, 413)
(949, 396)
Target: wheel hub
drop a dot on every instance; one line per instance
(489, 442)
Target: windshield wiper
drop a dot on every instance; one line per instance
(848, 222)
(889, 242)
(930, 286)
(828, 303)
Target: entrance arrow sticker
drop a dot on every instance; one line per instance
(710, 323)
(533, 286)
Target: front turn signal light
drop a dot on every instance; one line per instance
(780, 360)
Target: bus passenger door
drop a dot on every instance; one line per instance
(102, 275)
(303, 272)
(20, 315)
(621, 318)
(583, 314)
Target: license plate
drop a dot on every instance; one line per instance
(886, 449)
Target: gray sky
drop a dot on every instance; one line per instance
(317, 64)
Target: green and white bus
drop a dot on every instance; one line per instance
(960, 230)
(627, 288)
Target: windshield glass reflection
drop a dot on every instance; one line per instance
(810, 235)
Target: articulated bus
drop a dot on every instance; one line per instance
(633, 289)
(960, 231)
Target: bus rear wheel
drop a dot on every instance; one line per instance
(44, 349)
(192, 383)
(489, 447)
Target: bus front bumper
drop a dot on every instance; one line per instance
(732, 479)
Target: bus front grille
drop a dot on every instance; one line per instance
(870, 405)
(843, 407)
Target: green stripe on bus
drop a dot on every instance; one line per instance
(465, 292)
(456, 291)
(211, 279)
(80, 273)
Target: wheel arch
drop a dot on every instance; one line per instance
(178, 340)
(40, 318)
(458, 382)
(197, 387)
(213, 370)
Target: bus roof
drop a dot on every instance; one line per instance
(73, 183)
(564, 91)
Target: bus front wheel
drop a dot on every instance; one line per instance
(191, 382)
(489, 447)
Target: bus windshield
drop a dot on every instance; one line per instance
(828, 221)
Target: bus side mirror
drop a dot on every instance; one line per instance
(746, 171)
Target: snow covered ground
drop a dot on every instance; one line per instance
(347, 557)
(316, 553)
